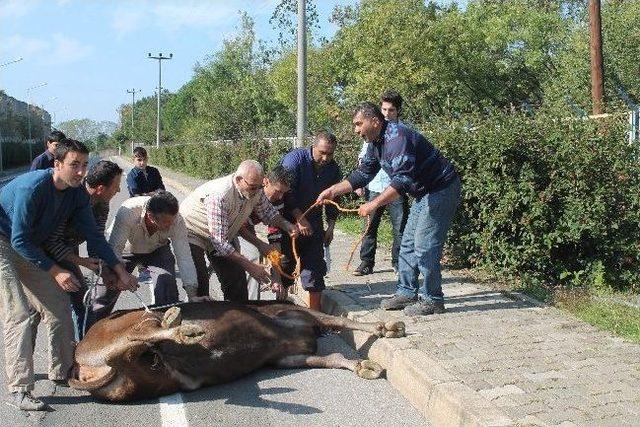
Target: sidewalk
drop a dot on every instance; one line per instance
(493, 359)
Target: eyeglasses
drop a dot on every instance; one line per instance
(252, 187)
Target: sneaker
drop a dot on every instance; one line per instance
(424, 308)
(25, 401)
(397, 302)
(363, 269)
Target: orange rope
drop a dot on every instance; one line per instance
(275, 257)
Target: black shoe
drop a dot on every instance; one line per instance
(25, 401)
(424, 308)
(363, 269)
(397, 302)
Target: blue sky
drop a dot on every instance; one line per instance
(89, 52)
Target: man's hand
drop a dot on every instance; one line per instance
(258, 272)
(125, 282)
(328, 194)
(328, 236)
(366, 209)
(304, 227)
(66, 280)
(359, 192)
(109, 278)
(92, 264)
(292, 230)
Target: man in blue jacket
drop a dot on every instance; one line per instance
(416, 167)
(31, 208)
(142, 179)
(313, 170)
(45, 160)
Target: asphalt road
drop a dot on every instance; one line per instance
(268, 397)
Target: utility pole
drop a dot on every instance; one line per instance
(133, 103)
(595, 50)
(302, 75)
(159, 58)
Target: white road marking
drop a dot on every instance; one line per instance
(172, 411)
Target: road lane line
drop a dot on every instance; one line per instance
(172, 411)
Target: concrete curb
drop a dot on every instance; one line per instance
(441, 397)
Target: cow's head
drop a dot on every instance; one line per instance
(119, 357)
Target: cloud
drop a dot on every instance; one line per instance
(12, 9)
(171, 15)
(69, 50)
(57, 48)
(27, 47)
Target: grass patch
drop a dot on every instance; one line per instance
(605, 314)
(354, 225)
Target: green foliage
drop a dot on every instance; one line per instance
(548, 200)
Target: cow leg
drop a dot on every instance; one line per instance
(391, 329)
(367, 369)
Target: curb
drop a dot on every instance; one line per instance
(436, 393)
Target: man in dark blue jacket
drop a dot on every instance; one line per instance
(313, 170)
(31, 208)
(45, 160)
(142, 179)
(417, 168)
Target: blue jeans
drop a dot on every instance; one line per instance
(398, 215)
(423, 240)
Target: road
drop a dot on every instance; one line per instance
(268, 397)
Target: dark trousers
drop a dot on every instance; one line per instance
(77, 300)
(398, 211)
(232, 277)
(312, 265)
(162, 274)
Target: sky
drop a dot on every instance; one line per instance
(89, 52)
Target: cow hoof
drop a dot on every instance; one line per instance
(368, 369)
(190, 334)
(391, 329)
(172, 318)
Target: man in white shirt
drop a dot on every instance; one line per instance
(140, 236)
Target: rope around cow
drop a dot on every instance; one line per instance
(275, 257)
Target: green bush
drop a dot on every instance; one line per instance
(548, 200)
(16, 154)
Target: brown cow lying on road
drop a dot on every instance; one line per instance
(135, 354)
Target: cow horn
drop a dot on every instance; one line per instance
(172, 318)
(97, 383)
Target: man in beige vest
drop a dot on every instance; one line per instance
(214, 214)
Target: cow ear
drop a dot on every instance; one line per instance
(172, 318)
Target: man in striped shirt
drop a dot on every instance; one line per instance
(102, 184)
(214, 214)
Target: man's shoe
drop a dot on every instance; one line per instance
(424, 308)
(397, 302)
(363, 269)
(25, 401)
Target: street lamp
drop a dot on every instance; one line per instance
(159, 58)
(1, 160)
(29, 114)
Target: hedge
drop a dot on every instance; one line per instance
(545, 200)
